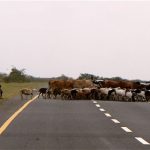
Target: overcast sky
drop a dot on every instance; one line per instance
(64, 37)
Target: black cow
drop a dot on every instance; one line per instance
(98, 83)
(147, 95)
(43, 91)
(46, 93)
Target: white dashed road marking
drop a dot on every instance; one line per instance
(97, 105)
(126, 129)
(115, 120)
(142, 141)
(101, 109)
(107, 115)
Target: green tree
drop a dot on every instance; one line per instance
(88, 76)
(17, 76)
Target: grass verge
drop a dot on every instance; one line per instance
(12, 89)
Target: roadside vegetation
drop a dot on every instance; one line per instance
(12, 89)
(16, 80)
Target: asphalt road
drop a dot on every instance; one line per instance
(78, 125)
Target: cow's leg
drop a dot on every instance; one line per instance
(45, 95)
(21, 94)
(39, 94)
(42, 95)
(31, 95)
(48, 95)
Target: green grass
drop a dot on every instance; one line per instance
(12, 89)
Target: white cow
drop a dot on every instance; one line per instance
(120, 93)
(104, 92)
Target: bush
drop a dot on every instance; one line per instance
(17, 76)
(88, 76)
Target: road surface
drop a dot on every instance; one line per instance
(79, 125)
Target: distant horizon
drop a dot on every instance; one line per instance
(74, 77)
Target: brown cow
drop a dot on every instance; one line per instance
(60, 84)
(69, 84)
(122, 84)
(80, 94)
(83, 84)
(66, 94)
(56, 86)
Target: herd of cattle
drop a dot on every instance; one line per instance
(99, 90)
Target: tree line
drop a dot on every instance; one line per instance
(17, 75)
